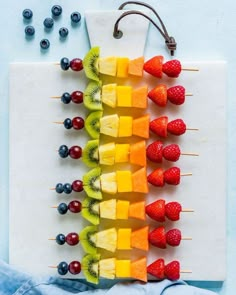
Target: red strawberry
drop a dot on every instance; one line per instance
(172, 68)
(157, 237)
(156, 177)
(172, 210)
(154, 151)
(154, 66)
(176, 127)
(156, 210)
(172, 176)
(157, 269)
(172, 270)
(173, 237)
(171, 152)
(159, 126)
(176, 94)
(159, 95)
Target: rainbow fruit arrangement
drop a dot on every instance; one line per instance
(97, 154)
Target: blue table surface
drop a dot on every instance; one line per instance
(204, 30)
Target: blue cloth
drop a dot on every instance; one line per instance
(14, 282)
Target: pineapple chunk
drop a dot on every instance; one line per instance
(123, 268)
(109, 183)
(122, 153)
(107, 239)
(124, 239)
(109, 125)
(124, 181)
(107, 268)
(108, 209)
(122, 67)
(108, 65)
(124, 96)
(107, 153)
(122, 209)
(109, 95)
(125, 126)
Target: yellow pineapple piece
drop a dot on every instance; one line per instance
(124, 181)
(124, 239)
(108, 65)
(125, 126)
(122, 153)
(124, 96)
(107, 153)
(122, 67)
(109, 183)
(108, 209)
(109, 125)
(109, 95)
(107, 268)
(123, 268)
(107, 239)
(122, 209)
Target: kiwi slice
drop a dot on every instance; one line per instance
(90, 153)
(90, 63)
(92, 96)
(90, 267)
(92, 124)
(88, 239)
(91, 183)
(90, 210)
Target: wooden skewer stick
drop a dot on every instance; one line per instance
(190, 69)
(188, 94)
(52, 266)
(186, 174)
(185, 271)
(58, 122)
(193, 129)
(52, 239)
(55, 207)
(186, 238)
(189, 154)
(187, 210)
(55, 96)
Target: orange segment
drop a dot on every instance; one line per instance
(139, 181)
(139, 97)
(139, 238)
(141, 126)
(139, 269)
(136, 66)
(138, 153)
(137, 210)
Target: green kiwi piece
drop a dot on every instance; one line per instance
(92, 124)
(92, 96)
(90, 63)
(91, 183)
(90, 267)
(90, 153)
(88, 239)
(90, 210)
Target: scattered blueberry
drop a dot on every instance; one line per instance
(62, 208)
(63, 151)
(67, 188)
(27, 13)
(59, 188)
(62, 268)
(48, 23)
(65, 63)
(75, 17)
(63, 32)
(67, 123)
(60, 239)
(29, 30)
(66, 98)
(56, 10)
(44, 44)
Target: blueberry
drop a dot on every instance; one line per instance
(27, 13)
(48, 23)
(67, 123)
(66, 98)
(29, 30)
(65, 63)
(56, 10)
(63, 32)
(60, 239)
(62, 268)
(75, 17)
(67, 188)
(44, 44)
(59, 188)
(62, 208)
(63, 151)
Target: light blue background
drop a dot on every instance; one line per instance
(204, 30)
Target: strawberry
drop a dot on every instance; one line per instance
(157, 269)
(154, 151)
(176, 127)
(172, 68)
(159, 95)
(154, 66)
(159, 126)
(156, 210)
(172, 210)
(172, 270)
(176, 94)
(172, 176)
(171, 152)
(173, 237)
(156, 178)
(157, 237)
